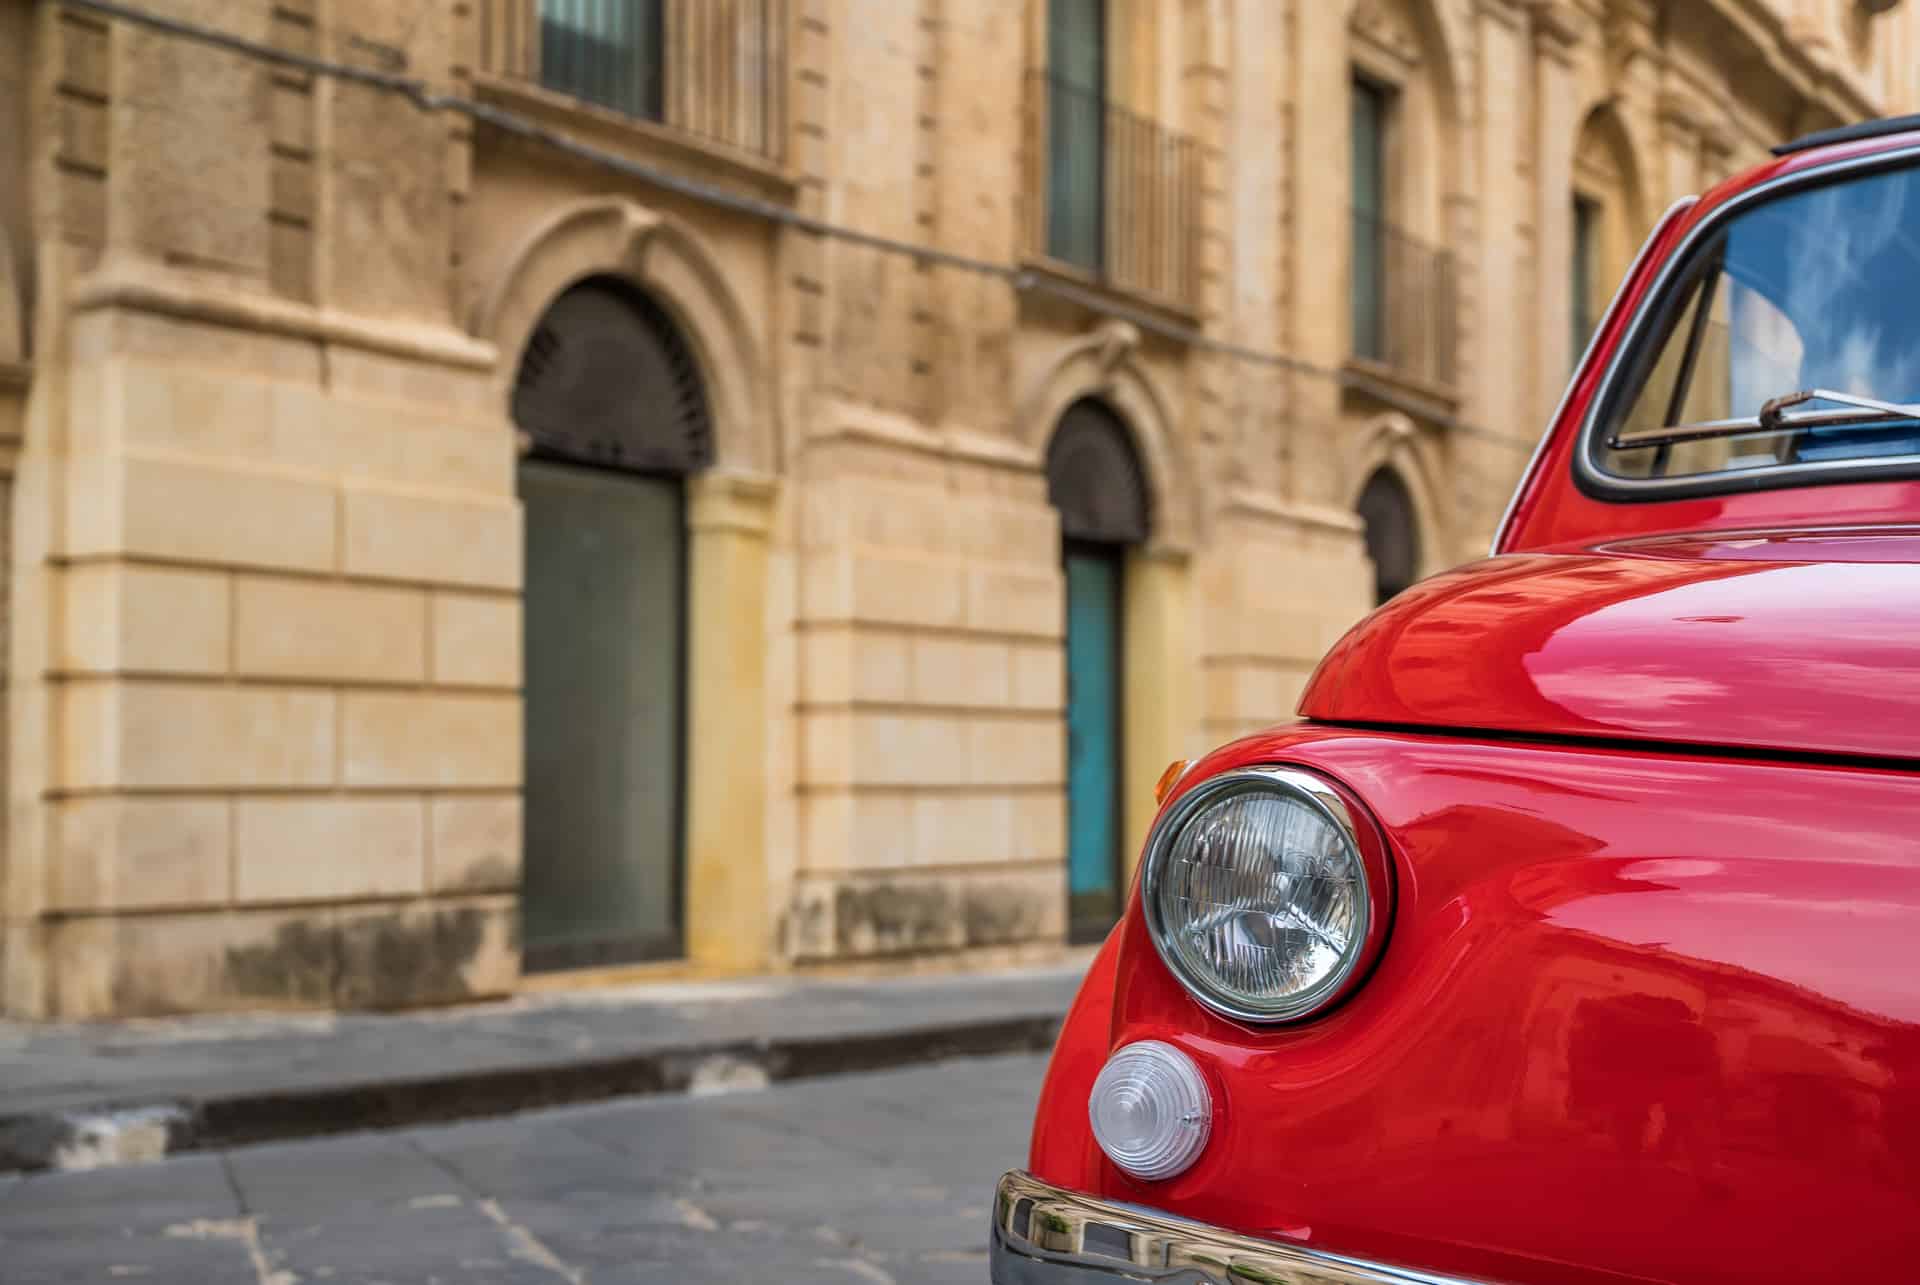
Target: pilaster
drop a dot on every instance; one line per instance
(729, 520)
(1162, 706)
(1681, 121)
(1555, 135)
(1319, 173)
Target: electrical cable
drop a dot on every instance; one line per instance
(1020, 279)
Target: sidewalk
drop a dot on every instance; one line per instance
(79, 1095)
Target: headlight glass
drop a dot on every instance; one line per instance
(1257, 893)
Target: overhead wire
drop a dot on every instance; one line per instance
(424, 98)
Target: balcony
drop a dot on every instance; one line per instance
(1404, 297)
(1114, 196)
(711, 71)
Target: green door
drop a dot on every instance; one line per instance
(605, 639)
(1094, 574)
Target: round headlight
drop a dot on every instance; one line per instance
(1258, 895)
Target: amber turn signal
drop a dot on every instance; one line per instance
(1167, 778)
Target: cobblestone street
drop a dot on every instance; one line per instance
(865, 1178)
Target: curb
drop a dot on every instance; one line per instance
(131, 1133)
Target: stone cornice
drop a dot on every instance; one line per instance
(1629, 33)
(1772, 37)
(125, 282)
(1383, 38)
(1556, 30)
(849, 422)
(1243, 502)
(728, 500)
(1508, 13)
(639, 140)
(1680, 114)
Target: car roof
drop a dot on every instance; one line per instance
(1849, 134)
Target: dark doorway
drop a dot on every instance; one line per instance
(1393, 540)
(1095, 481)
(610, 400)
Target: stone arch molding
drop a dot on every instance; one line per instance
(1426, 39)
(1606, 143)
(1103, 363)
(1391, 441)
(613, 236)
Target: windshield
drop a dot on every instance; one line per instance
(1816, 289)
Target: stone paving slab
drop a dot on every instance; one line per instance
(75, 1095)
(871, 1179)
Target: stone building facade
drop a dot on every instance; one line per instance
(536, 516)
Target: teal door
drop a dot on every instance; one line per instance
(1093, 738)
(605, 640)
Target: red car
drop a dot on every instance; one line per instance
(1573, 933)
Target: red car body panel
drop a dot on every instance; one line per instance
(1549, 512)
(1723, 642)
(1629, 1000)
(1647, 1009)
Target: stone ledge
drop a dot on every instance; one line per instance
(124, 283)
(640, 141)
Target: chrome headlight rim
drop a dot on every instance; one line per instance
(1375, 902)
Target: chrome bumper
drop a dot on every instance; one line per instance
(1047, 1236)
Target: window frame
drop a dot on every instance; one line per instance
(650, 36)
(1385, 98)
(1589, 236)
(1621, 380)
(1062, 227)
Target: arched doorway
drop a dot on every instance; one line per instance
(1393, 538)
(1094, 480)
(614, 413)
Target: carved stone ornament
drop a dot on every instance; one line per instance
(1388, 28)
(1556, 29)
(1117, 340)
(1629, 34)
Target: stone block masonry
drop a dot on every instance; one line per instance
(273, 343)
(281, 690)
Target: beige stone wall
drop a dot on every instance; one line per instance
(264, 705)
(257, 336)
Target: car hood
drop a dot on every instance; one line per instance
(1800, 641)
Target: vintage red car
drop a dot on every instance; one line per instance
(1573, 932)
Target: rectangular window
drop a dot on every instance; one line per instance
(1372, 108)
(608, 52)
(1586, 235)
(1076, 131)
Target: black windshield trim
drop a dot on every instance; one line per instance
(1593, 480)
(1848, 134)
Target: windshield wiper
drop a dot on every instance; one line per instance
(1772, 418)
(1773, 415)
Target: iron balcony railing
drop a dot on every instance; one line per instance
(1404, 296)
(712, 69)
(1112, 193)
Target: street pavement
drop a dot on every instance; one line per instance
(844, 1180)
(77, 1094)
